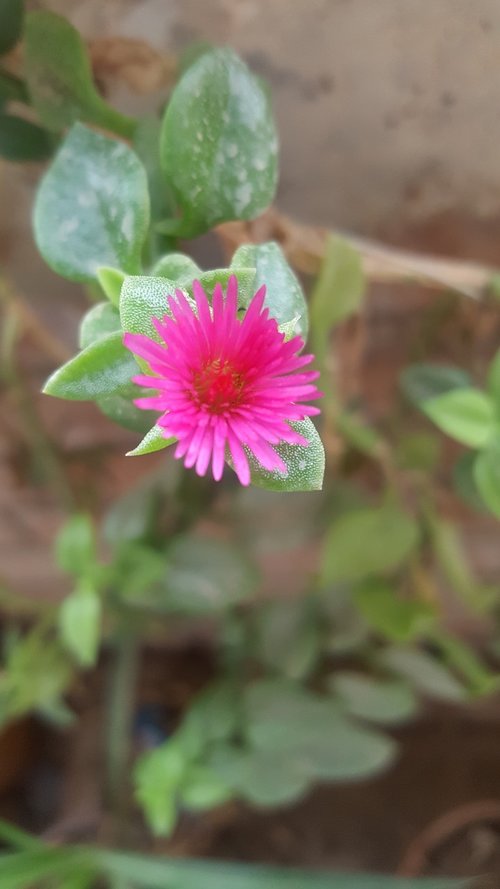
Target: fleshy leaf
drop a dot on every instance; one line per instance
(120, 407)
(92, 207)
(142, 299)
(284, 295)
(306, 465)
(218, 144)
(101, 320)
(154, 440)
(426, 673)
(391, 615)
(101, 369)
(111, 281)
(245, 276)
(60, 78)
(176, 267)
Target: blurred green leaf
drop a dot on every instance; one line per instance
(203, 789)
(487, 475)
(313, 732)
(79, 623)
(158, 777)
(211, 717)
(11, 24)
(103, 368)
(287, 637)
(467, 415)
(284, 296)
(494, 379)
(421, 382)
(36, 673)
(427, 674)
(464, 482)
(398, 619)
(389, 702)
(12, 88)
(305, 465)
(218, 144)
(75, 546)
(101, 320)
(449, 548)
(60, 77)
(368, 541)
(92, 207)
(261, 777)
(21, 140)
(337, 293)
(418, 450)
(206, 575)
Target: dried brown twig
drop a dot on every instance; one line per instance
(305, 247)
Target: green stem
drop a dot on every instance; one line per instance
(122, 692)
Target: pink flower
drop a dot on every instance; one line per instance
(225, 385)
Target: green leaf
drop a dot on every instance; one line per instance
(147, 145)
(385, 611)
(59, 77)
(119, 408)
(21, 140)
(245, 276)
(11, 23)
(287, 637)
(211, 717)
(467, 415)
(338, 291)
(284, 295)
(494, 380)
(158, 776)
(389, 702)
(154, 440)
(92, 207)
(261, 777)
(111, 281)
(75, 546)
(101, 320)
(218, 144)
(305, 465)
(142, 299)
(79, 623)
(100, 369)
(487, 475)
(206, 576)
(313, 732)
(464, 482)
(150, 872)
(203, 789)
(421, 382)
(19, 870)
(176, 267)
(426, 673)
(368, 541)
(12, 88)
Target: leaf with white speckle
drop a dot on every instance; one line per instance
(92, 207)
(218, 144)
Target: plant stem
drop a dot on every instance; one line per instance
(122, 691)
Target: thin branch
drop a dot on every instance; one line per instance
(305, 247)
